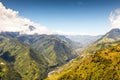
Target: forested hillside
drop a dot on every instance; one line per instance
(103, 65)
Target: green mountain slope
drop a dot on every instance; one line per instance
(7, 72)
(103, 65)
(22, 58)
(33, 56)
(55, 49)
(109, 39)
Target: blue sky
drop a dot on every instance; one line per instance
(77, 16)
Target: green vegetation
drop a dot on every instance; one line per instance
(56, 50)
(110, 39)
(103, 65)
(32, 59)
(100, 61)
(18, 56)
(7, 72)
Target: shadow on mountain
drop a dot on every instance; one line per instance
(7, 57)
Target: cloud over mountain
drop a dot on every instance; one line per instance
(115, 18)
(11, 21)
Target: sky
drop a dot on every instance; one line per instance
(90, 17)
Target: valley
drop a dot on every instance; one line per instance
(59, 40)
(54, 57)
(100, 63)
(34, 56)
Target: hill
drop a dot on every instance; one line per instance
(22, 59)
(103, 65)
(109, 39)
(56, 50)
(33, 56)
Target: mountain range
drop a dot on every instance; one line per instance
(85, 40)
(34, 57)
(30, 51)
(105, 42)
(43, 52)
(99, 62)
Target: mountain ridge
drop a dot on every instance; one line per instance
(98, 66)
(100, 61)
(40, 54)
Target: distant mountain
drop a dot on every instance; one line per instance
(64, 51)
(43, 52)
(103, 65)
(55, 49)
(33, 56)
(10, 34)
(99, 61)
(31, 28)
(114, 33)
(76, 42)
(72, 43)
(83, 40)
(111, 36)
(108, 40)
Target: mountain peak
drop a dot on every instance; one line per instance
(10, 21)
(114, 33)
(115, 30)
(31, 28)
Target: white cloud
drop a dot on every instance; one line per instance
(115, 18)
(12, 22)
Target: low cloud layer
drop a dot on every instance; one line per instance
(115, 18)
(11, 21)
